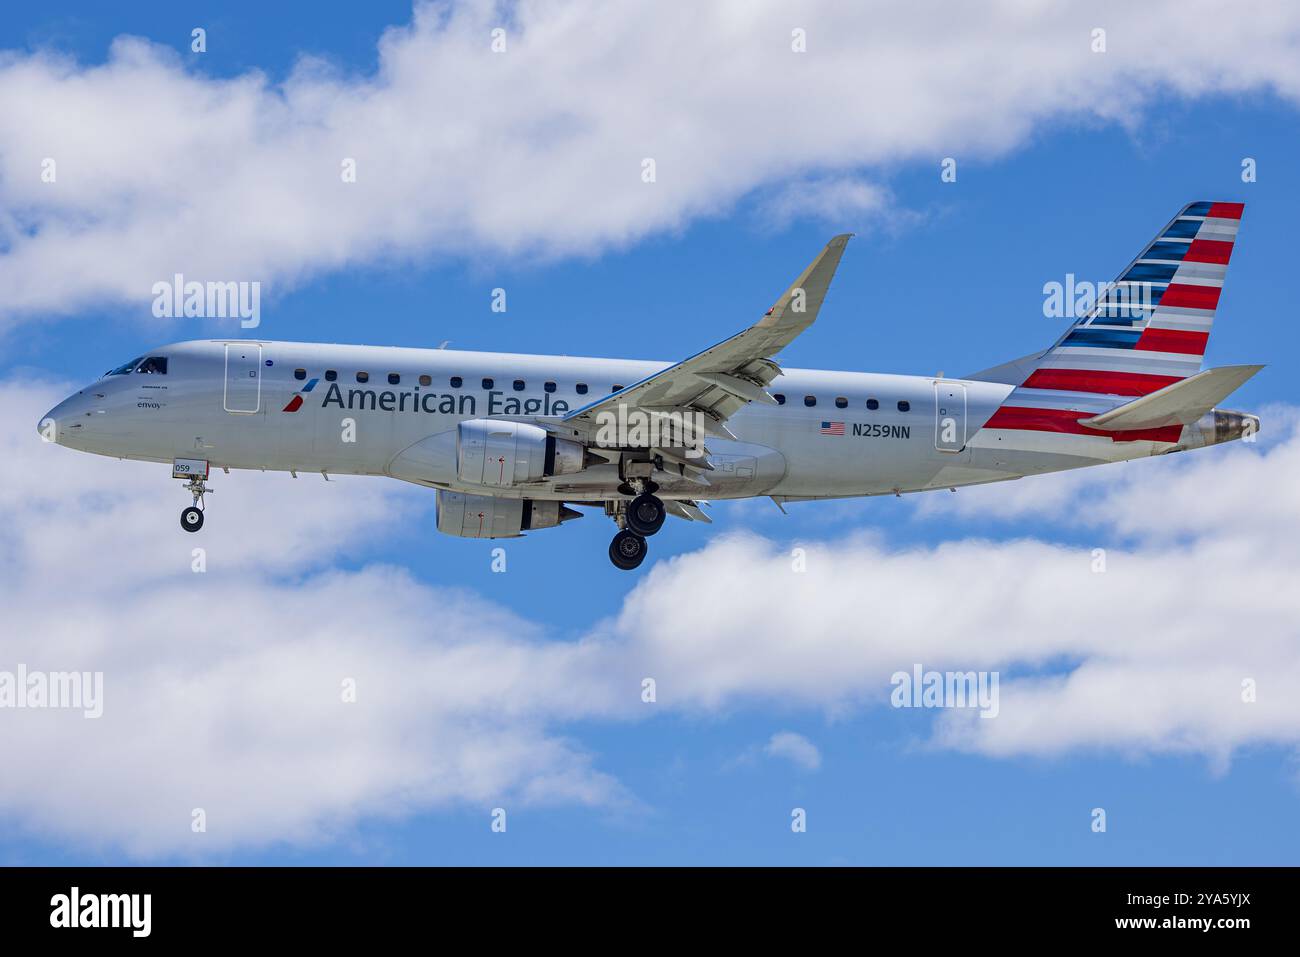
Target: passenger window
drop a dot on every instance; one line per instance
(519, 385)
(363, 376)
(300, 374)
(394, 378)
(331, 375)
(581, 388)
(841, 402)
(780, 399)
(873, 404)
(426, 380)
(810, 400)
(903, 405)
(154, 365)
(456, 382)
(548, 386)
(487, 383)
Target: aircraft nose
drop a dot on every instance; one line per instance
(54, 425)
(48, 427)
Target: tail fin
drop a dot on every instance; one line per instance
(1149, 328)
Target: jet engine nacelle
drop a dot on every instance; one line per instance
(488, 516)
(1215, 427)
(501, 454)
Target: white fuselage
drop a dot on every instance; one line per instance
(244, 405)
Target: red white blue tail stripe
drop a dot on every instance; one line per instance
(1147, 331)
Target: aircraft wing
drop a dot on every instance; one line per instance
(733, 373)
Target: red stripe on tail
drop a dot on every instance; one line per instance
(1063, 420)
(1225, 210)
(1172, 340)
(1097, 380)
(1208, 251)
(1191, 297)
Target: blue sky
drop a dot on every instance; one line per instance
(941, 276)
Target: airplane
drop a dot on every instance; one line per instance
(516, 443)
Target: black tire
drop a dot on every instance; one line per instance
(192, 518)
(645, 515)
(627, 550)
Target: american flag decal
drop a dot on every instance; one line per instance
(832, 428)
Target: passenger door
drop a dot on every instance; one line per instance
(949, 416)
(243, 393)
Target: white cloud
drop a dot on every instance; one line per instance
(222, 690)
(794, 748)
(843, 201)
(537, 151)
(1149, 656)
(1155, 498)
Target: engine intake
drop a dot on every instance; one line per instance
(501, 454)
(490, 516)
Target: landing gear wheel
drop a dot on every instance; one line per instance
(627, 550)
(192, 518)
(645, 515)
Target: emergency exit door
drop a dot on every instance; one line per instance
(243, 377)
(949, 416)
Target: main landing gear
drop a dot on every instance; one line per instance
(627, 550)
(637, 520)
(646, 514)
(192, 516)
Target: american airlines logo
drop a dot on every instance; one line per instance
(296, 402)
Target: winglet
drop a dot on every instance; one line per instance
(804, 297)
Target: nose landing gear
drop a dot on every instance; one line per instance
(192, 516)
(191, 519)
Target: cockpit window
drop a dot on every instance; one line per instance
(126, 366)
(154, 365)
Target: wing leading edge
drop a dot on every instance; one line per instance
(728, 376)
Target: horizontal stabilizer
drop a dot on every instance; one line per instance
(1181, 403)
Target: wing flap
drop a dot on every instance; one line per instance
(687, 510)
